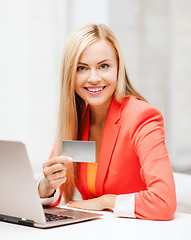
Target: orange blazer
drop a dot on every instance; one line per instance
(134, 159)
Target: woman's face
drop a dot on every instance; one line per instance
(96, 76)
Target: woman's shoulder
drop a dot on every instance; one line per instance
(138, 116)
(132, 103)
(135, 108)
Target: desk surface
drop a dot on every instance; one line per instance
(108, 227)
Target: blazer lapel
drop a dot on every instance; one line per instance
(110, 134)
(82, 184)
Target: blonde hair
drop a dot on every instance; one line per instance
(72, 107)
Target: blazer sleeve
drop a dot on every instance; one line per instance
(158, 201)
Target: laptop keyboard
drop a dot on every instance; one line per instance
(52, 217)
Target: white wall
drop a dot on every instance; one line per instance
(86, 11)
(180, 83)
(29, 74)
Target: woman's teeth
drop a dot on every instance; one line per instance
(95, 90)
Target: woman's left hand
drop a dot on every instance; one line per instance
(96, 204)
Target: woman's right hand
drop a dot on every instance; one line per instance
(54, 171)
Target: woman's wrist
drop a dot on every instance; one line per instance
(108, 201)
(45, 191)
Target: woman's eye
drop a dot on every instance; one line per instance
(104, 66)
(81, 68)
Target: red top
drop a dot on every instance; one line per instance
(133, 159)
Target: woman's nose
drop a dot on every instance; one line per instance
(94, 77)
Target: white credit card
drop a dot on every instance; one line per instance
(80, 151)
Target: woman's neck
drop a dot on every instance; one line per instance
(99, 114)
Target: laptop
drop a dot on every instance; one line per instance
(19, 199)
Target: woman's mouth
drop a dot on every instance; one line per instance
(94, 90)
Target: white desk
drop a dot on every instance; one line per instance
(108, 227)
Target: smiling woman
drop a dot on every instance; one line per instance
(96, 76)
(98, 103)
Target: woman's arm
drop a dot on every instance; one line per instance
(158, 201)
(98, 204)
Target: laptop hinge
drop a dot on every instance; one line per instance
(21, 221)
(26, 222)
